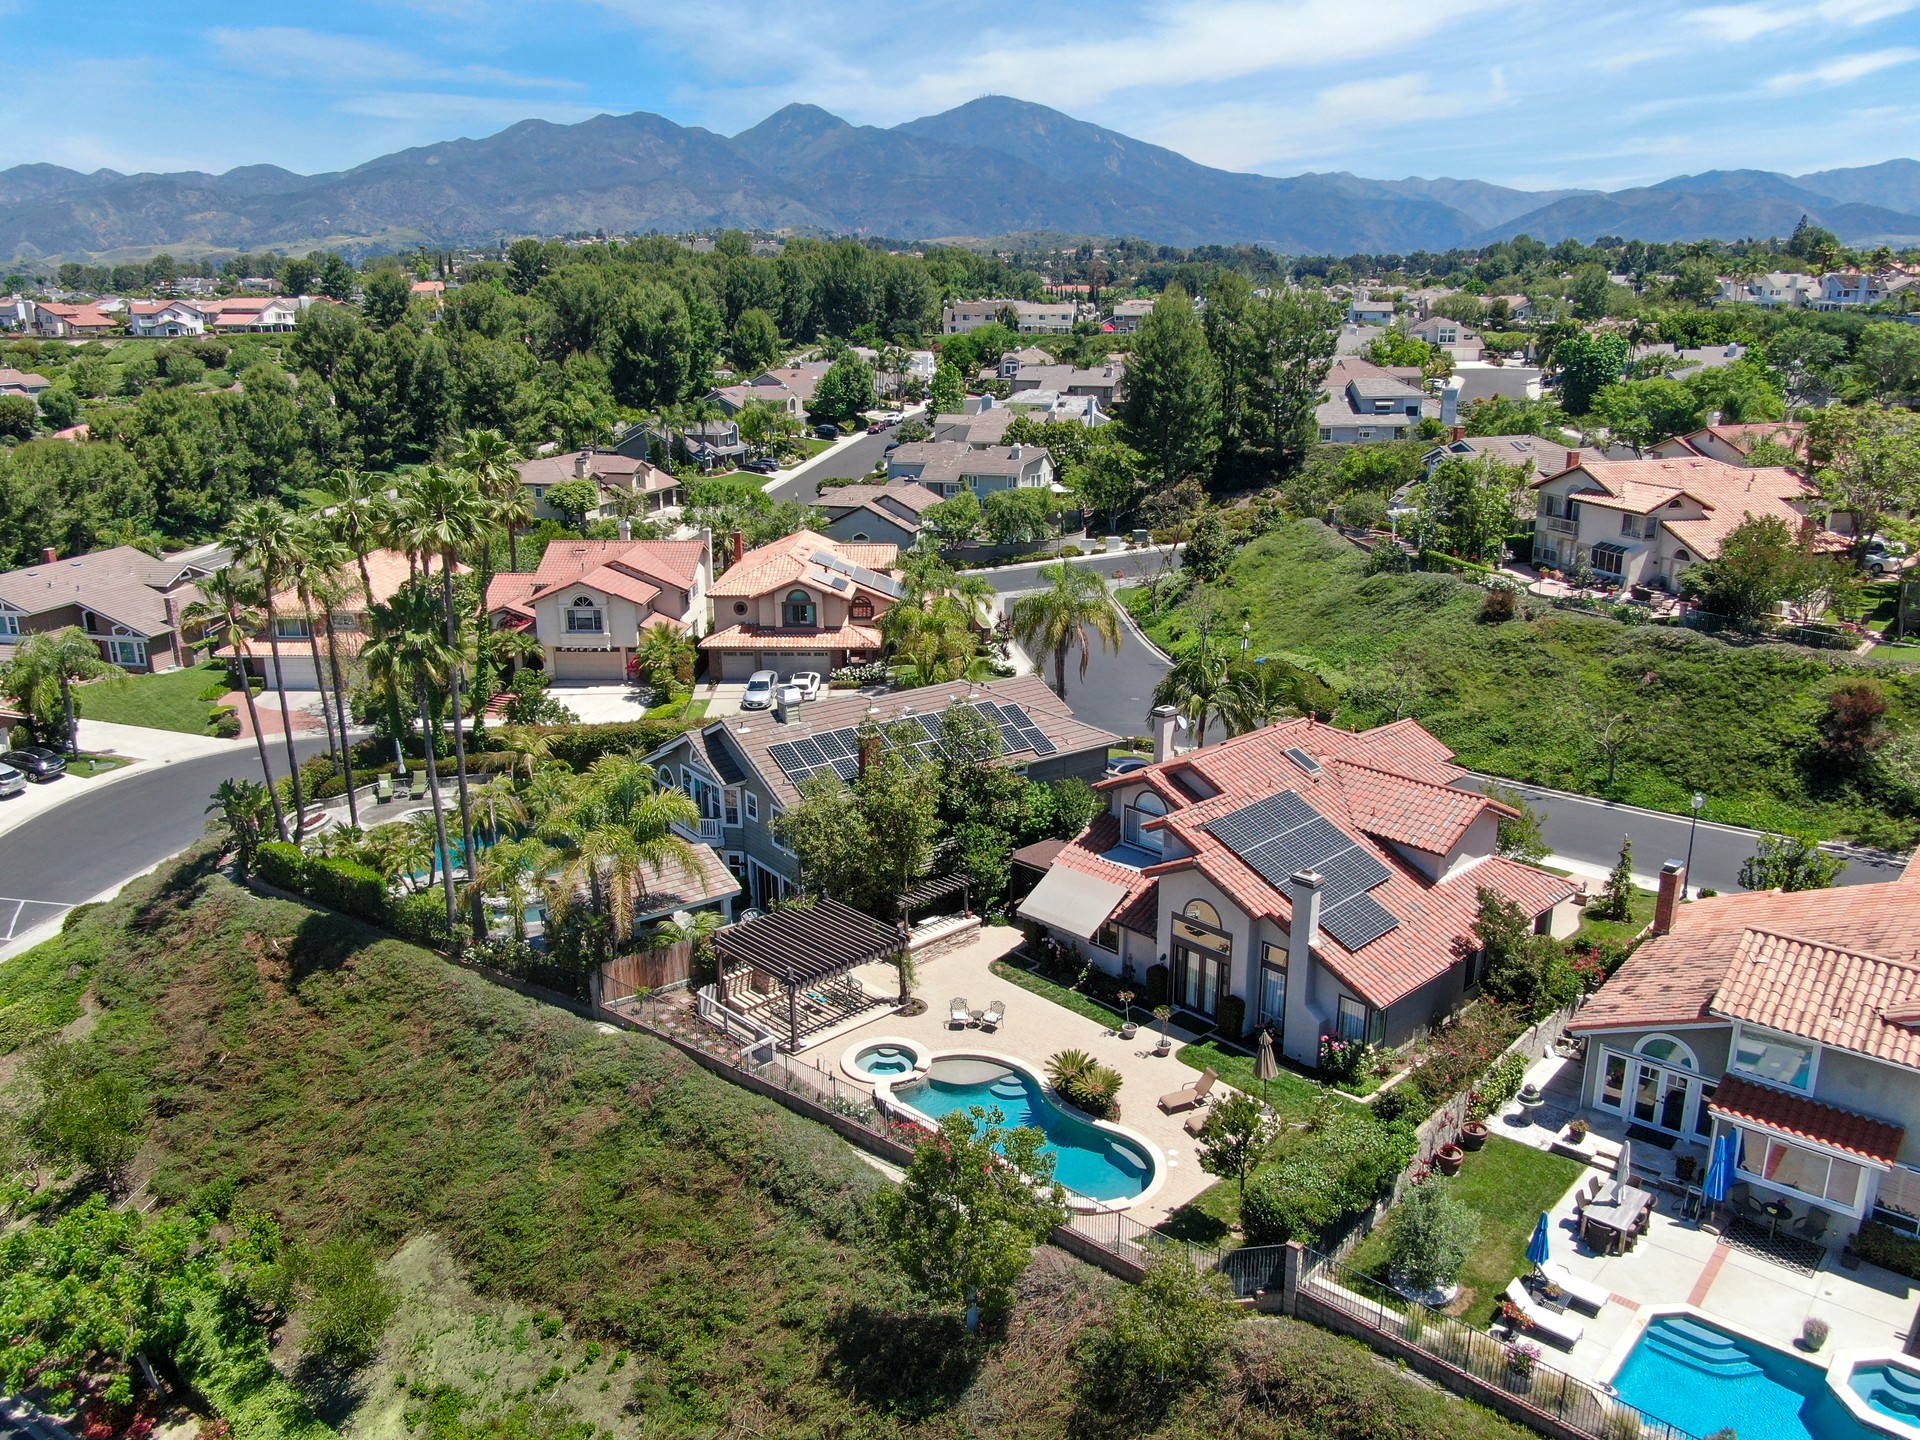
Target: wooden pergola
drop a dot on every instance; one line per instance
(936, 887)
(805, 953)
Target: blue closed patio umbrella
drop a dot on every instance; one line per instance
(1720, 1169)
(1537, 1246)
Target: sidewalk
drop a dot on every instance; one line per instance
(142, 746)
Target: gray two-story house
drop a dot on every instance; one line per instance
(1791, 1021)
(947, 467)
(746, 770)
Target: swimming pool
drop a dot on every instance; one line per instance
(1693, 1374)
(885, 1059)
(1093, 1160)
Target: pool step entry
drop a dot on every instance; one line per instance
(1699, 1346)
(1890, 1388)
(1898, 1378)
(1009, 1088)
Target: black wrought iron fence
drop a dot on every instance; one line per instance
(1515, 1366)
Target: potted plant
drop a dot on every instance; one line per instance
(1522, 1356)
(1577, 1131)
(1449, 1158)
(1162, 1014)
(1813, 1334)
(1473, 1134)
(1127, 1028)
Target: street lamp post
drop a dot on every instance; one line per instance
(1698, 803)
(1246, 636)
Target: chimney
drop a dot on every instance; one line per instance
(1673, 889)
(867, 747)
(1165, 719)
(1573, 459)
(1303, 889)
(580, 464)
(626, 528)
(736, 547)
(1459, 432)
(48, 554)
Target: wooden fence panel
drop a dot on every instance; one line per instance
(646, 970)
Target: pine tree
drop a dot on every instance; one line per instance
(1172, 409)
(1617, 899)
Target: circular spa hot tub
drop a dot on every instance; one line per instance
(886, 1058)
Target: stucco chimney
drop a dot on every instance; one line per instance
(1303, 889)
(581, 462)
(626, 528)
(1166, 720)
(1673, 888)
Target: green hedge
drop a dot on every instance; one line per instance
(1889, 1249)
(348, 887)
(1346, 1163)
(422, 918)
(281, 865)
(580, 745)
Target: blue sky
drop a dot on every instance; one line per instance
(1593, 94)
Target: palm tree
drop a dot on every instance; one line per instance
(331, 590)
(243, 807)
(1198, 684)
(514, 512)
(262, 537)
(41, 675)
(495, 799)
(316, 552)
(515, 869)
(1258, 694)
(1073, 609)
(696, 933)
(613, 831)
(441, 513)
(666, 653)
(225, 614)
(407, 652)
(356, 505)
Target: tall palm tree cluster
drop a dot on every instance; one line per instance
(1206, 686)
(589, 845)
(934, 631)
(424, 643)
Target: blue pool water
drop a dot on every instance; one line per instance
(880, 1060)
(1891, 1389)
(1088, 1160)
(1703, 1379)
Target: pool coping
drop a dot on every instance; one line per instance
(1085, 1204)
(1833, 1372)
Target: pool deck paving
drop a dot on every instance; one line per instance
(1034, 1029)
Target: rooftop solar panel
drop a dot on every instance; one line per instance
(1017, 715)
(1042, 745)
(809, 751)
(1352, 872)
(1358, 922)
(847, 769)
(786, 758)
(836, 743)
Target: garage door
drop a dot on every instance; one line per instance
(589, 665)
(790, 665)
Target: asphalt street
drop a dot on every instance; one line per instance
(95, 842)
(851, 461)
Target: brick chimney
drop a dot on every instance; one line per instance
(867, 748)
(1673, 889)
(48, 554)
(1459, 432)
(736, 547)
(1573, 459)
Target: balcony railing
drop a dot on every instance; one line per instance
(705, 831)
(1560, 525)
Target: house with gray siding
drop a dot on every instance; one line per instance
(732, 768)
(1789, 1021)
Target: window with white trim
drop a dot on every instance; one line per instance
(731, 811)
(1133, 818)
(1815, 1174)
(291, 627)
(9, 624)
(750, 803)
(127, 652)
(584, 616)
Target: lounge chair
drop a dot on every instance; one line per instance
(1189, 1097)
(383, 789)
(422, 785)
(1584, 1293)
(1197, 1121)
(1560, 1329)
(958, 1015)
(996, 1012)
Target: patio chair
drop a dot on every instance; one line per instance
(1561, 1329)
(1588, 1193)
(1189, 1097)
(1584, 1293)
(958, 1015)
(995, 1013)
(383, 789)
(1813, 1225)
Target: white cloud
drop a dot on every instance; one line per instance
(1843, 70)
(1738, 24)
(309, 55)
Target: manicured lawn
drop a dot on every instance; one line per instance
(1613, 932)
(88, 766)
(1290, 1093)
(1072, 1000)
(167, 701)
(688, 710)
(1507, 1185)
(1208, 1218)
(746, 477)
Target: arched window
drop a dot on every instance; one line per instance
(1144, 807)
(1666, 1050)
(862, 607)
(798, 609)
(1201, 911)
(1681, 555)
(584, 617)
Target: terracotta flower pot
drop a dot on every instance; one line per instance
(1449, 1159)
(1473, 1135)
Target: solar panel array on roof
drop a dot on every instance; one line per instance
(858, 574)
(838, 751)
(1282, 834)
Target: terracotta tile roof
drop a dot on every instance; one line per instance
(1838, 997)
(671, 563)
(617, 580)
(1675, 978)
(1139, 909)
(751, 736)
(1806, 1119)
(1727, 493)
(789, 560)
(1744, 437)
(387, 571)
(1395, 777)
(511, 592)
(762, 637)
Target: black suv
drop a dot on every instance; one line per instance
(36, 764)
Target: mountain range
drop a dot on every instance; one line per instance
(994, 166)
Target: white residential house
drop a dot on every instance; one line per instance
(1365, 402)
(591, 601)
(1369, 312)
(1036, 317)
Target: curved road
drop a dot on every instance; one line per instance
(96, 842)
